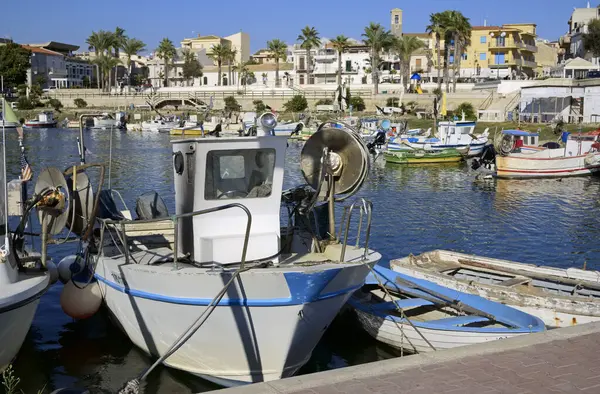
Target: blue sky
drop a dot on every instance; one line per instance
(72, 21)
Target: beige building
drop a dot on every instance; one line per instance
(263, 56)
(546, 57)
(239, 41)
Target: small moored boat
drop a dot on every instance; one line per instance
(423, 316)
(425, 156)
(560, 297)
(580, 156)
(45, 120)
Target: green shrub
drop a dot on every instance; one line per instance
(231, 104)
(80, 103)
(24, 103)
(259, 106)
(392, 102)
(357, 103)
(296, 104)
(468, 110)
(437, 92)
(324, 102)
(55, 103)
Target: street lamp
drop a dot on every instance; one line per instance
(499, 42)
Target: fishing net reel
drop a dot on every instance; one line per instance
(64, 200)
(335, 161)
(505, 144)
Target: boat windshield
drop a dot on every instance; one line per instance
(235, 174)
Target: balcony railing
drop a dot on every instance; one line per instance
(526, 47)
(525, 63)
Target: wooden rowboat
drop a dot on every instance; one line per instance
(422, 316)
(424, 156)
(560, 297)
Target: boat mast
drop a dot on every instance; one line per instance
(4, 185)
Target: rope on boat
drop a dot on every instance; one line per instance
(132, 386)
(402, 314)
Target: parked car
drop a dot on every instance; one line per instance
(593, 74)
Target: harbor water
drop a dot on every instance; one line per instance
(416, 209)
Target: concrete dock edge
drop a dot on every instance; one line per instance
(386, 367)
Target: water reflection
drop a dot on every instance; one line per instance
(415, 209)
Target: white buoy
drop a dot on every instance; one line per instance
(68, 267)
(81, 302)
(52, 271)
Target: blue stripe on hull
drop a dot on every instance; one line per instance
(304, 288)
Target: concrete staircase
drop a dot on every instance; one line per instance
(497, 107)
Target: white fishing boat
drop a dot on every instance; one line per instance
(45, 120)
(219, 289)
(580, 156)
(22, 281)
(160, 125)
(451, 135)
(560, 297)
(250, 125)
(107, 121)
(419, 316)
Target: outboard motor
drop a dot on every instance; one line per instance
(377, 142)
(298, 129)
(486, 160)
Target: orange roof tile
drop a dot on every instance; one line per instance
(41, 50)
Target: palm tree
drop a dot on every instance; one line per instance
(106, 63)
(277, 51)
(378, 39)
(191, 67)
(461, 32)
(436, 27)
(166, 51)
(340, 44)
(309, 39)
(99, 42)
(219, 53)
(131, 47)
(230, 59)
(404, 47)
(118, 41)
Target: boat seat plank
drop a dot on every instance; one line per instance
(402, 304)
(460, 320)
(514, 281)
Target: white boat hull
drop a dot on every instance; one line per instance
(259, 332)
(555, 311)
(14, 325)
(545, 164)
(403, 335)
(474, 149)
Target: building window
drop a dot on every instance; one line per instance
(464, 56)
(483, 39)
(418, 63)
(451, 59)
(396, 19)
(482, 56)
(205, 81)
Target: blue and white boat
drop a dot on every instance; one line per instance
(423, 316)
(451, 135)
(267, 293)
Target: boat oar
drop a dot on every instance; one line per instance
(456, 304)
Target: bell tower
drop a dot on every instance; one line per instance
(396, 22)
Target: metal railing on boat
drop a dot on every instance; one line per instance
(366, 207)
(175, 219)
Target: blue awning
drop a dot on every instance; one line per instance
(416, 77)
(520, 133)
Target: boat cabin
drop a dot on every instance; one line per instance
(456, 133)
(212, 172)
(46, 117)
(582, 143)
(523, 138)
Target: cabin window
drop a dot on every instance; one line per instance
(235, 174)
